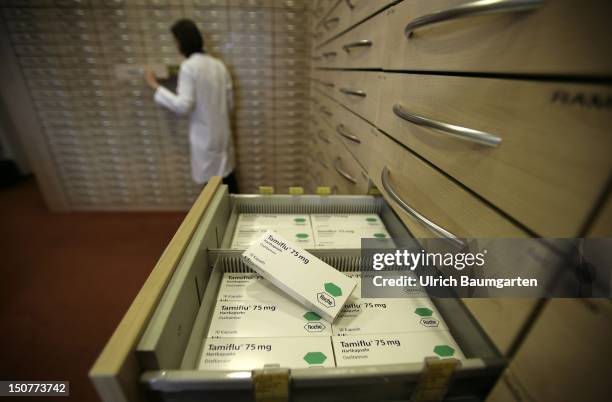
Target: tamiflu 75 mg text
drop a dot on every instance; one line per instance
(301, 275)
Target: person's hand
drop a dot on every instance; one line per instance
(150, 78)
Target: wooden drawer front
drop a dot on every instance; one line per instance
(327, 110)
(362, 46)
(330, 55)
(320, 8)
(359, 91)
(357, 134)
(583, 323)
(503, 319)
(433, 196)
(362, 9)
(335, 22)
(349, 175)
(554, 155)
(324, 81)
(558, 37)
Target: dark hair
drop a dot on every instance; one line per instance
(188, 36)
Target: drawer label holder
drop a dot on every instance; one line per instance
(435, 379)
(271, 384)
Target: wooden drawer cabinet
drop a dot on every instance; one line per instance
(553, 37)
(328, 56)
(359, 91)
(433, 196)
(357, 134)
(362, 9)
(361, 47)
(547, 146)
(347, 173)
(546, 357)
(333, 23)
(503, 319)
(325, 80)
(350, 178)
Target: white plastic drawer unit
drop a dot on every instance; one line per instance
(154, 352)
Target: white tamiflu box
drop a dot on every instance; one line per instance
(244, 286)
(254, 319)
(346, 230)
(245, 237)
(383, 316)
(398, 348)
(269, 221)
(323, 221)
(250, 287)
(254, 353)
(301, 275)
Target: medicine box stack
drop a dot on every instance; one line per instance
(254, 324)
(311, 230)
(251, 227)
(346, 230)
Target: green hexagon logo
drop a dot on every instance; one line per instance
(444, 350)
(315, 358)
(333, 289)
(302, 236)
(299, 220)
(379, 235)
(371, 219)
(312, 316)
(423, 312)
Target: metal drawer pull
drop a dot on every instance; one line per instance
(357, 43)
(355, 92)
(341, 130)
(439, 231)
(327, 84)
(330, 21)
(342, 172)
(479, 7)
(464, 133)
(330, 54)
(323, 137)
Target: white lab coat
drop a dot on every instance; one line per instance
(204, 89)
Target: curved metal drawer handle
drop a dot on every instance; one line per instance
(341, 130)
(342, 173)
(468, 134)
(479, 7)
(323, 137)
(439, 231)
(354, 92)
(327, 84)
(357, 43)
(330, 54)
(330, 21)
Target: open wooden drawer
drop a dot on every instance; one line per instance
(153, 354)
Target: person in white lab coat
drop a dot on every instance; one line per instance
(205, 90)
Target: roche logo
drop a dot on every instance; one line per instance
(314, 326)
(429, 322)
(326, 299)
